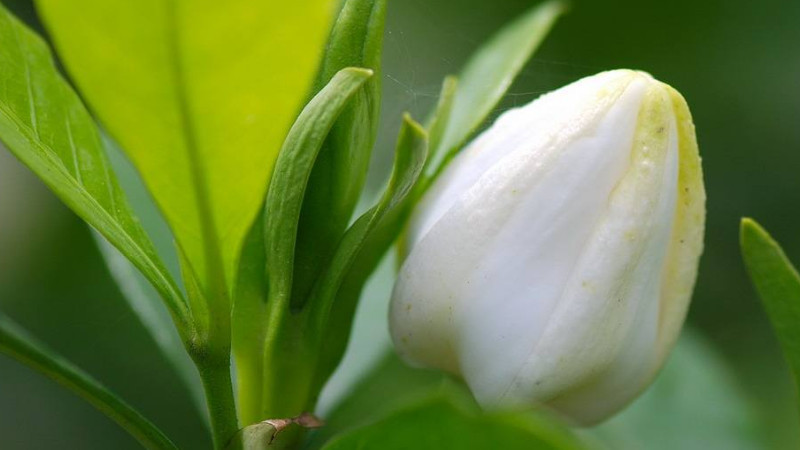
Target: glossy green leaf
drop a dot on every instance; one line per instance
(778, 285)
(200, 94)
(489, 73)
(302, 348)
(16, 343)
(442, 421)
(44, 124)
(292, 172)
(282, 211)
(249, 324)
(341, 167)
(336, 295)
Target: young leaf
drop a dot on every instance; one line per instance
(200, 94)
(341, 167)
(17, 344)
(44, 124)
(778, 285)
(336, 295)
(282, 210)
(249, 323)
(297, 358)
(437, 125)
(292, 171)
(488, 75)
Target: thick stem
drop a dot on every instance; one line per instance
(219, 398)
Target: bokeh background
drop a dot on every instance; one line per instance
(736, 61)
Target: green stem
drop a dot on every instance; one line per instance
(219, 398)
(18, 344)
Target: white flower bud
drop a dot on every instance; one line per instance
(553, 261)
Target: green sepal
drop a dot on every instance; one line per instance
(304, 347)
(292, 172)
(341, 166)
(268, 259)
(336, 295)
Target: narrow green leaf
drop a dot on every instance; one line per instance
(249, 324)
(17, 344)
(281, 214)
(336, 295)
(292, 171)
(44, 124)
(440, 119)
(297, 354)
(488, 75)
(341, 167)
(200, 94)
(391, 232)
(778, 285)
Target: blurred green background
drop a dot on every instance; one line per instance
(737, 62)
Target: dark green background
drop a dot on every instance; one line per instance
(737, 62)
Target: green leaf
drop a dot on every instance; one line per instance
(17, 344)
(44, 124)
(695, 403)
(137, 291)
(341, 167)
(282, 211)
(440, 119)
(778, 285)
(336, 295)
(488, 74)
(292, 172)
(302, 348)
(437, 125)
(200, 94)
(443, 420)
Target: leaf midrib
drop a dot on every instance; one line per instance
(214, 268)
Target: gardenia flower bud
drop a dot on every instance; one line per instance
(553, 261)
